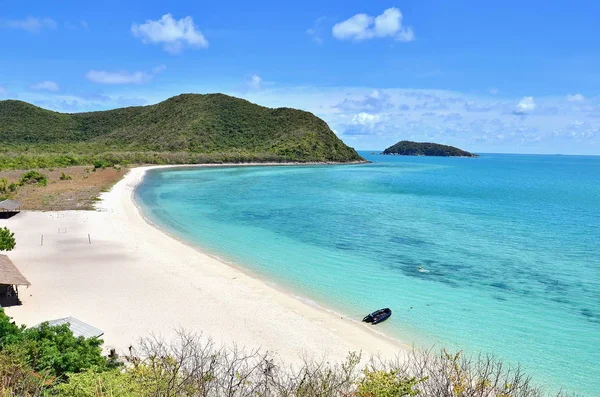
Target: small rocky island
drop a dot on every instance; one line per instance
(409, 148)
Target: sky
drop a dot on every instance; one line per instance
(502, 77)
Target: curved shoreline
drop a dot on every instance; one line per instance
(116, 271)
(139, 173)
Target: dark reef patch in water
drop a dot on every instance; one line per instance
(591, 315)
(345, 246)
(409, 241)
(502, 286)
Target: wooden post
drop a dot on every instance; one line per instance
(89, 239)
(42, 242)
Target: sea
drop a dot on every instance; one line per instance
(498, 254)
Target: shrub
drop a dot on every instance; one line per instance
(53, 349)
(33, 177)
(102, 164)
(65, 177)
(92, 383)
(3, 186)
(7, 240)
(381, 383)
(18, 379)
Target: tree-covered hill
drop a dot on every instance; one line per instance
(189, 128)
(409, 148)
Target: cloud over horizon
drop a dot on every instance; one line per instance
(255, 82)
(123, 76)
(369, 118)
(364, 27)
(525, 106)
(45, 86)
(30, 24)
(173, 34)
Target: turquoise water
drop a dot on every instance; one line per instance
(510, 243)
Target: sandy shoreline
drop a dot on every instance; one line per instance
(134, 280)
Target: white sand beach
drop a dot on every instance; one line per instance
(113, 270)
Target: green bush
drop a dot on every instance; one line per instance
(91, 383)
(34, 177)
(53, 349)
(7, 240)
(18, 379)
(381, 383)
(65, 177)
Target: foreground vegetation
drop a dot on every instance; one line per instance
(50, 361)
(409, 148)
(190, 128)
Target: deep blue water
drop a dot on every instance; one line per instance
(510, 243)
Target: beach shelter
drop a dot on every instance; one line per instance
(9, 208)
(78, 327)
(10, 279)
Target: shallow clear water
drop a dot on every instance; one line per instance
(510, 243)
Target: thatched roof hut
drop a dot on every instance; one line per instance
(9, 274)
(10, 206)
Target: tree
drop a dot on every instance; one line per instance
(7, 239)
(52, 349)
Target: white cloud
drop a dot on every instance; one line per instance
(30, 24)
(493, 91)
(255, 82)
(123, 76)
(525, 105)
(2, 91)
(575, 98)
(45, 86)
(364, 27)
(365, 119)
(173, 34)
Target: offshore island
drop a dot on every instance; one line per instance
(410, 148)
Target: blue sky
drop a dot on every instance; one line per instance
(487, 76)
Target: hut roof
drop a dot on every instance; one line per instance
(9, 274)
(10, 205)
(78, 327)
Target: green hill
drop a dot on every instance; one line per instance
(189, 128)
(409, 148)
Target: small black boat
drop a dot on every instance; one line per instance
(378, 316)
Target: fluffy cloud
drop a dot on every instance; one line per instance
(364, 27)
(575, 98)
(255, 82)
(123, 77)
(366, 120)
(30, 24)
(173, 34)
(525, 105)
(45, 86)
